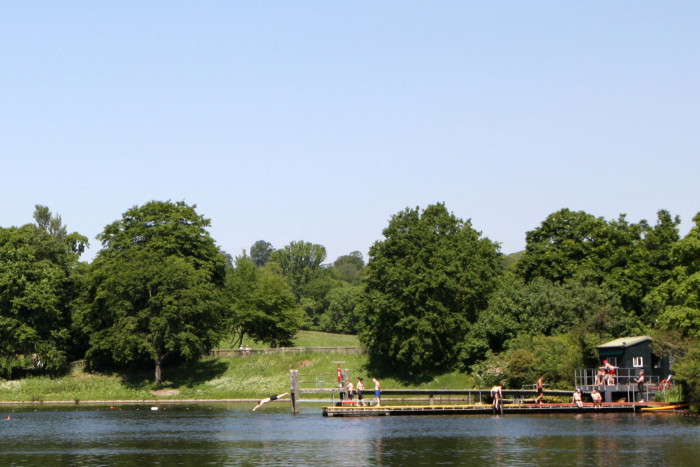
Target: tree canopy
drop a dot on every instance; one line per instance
(156, 288)
(677, 301)
(425, 284)
(261, 305)
(630, 258)
(260, 252)
(300, 262)
(37, 289)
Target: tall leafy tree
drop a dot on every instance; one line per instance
(676, 302)
(566, 244)
(349, 268)
(630, 258)
(261, 305)
(260, 252)
(37, 286)
(300, 263)
(426, 282)
(341, 315)
(541, 307)
(156, 288)
(48, 222)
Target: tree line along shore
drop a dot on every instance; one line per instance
(435, 298)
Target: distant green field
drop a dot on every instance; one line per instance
(307, 339)
(325, 339)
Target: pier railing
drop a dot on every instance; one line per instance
(622, 381)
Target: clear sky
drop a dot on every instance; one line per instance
(319, 120)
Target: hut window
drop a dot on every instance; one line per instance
(637, 362)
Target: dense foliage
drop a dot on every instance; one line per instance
(434, 296)
(37, 288)
(425, 284)
(155, 289)
(261, 305)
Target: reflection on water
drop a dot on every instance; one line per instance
(233, 435)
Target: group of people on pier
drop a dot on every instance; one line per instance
(358, 391)
(577, 399)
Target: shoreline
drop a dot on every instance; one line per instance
(128, 402)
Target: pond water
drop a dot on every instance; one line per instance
(233, 435)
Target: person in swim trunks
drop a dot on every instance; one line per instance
(360, 387)
(497, 395)
(269, 399)
(377, 391)
(540, 390)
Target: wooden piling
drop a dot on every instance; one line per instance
(294, 390)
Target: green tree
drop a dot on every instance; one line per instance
(529, 357)
(426, 282)
(349, 268)
(315, 295)
(37, 287)
(676, 302)
(631, 259)
(260, 252)
(156, 288)
(541, 307)
(342, 315)
(300, 262)
(48, 222)
(262, 305)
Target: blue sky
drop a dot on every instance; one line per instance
(319, 120)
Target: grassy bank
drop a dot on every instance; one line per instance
(231, 378)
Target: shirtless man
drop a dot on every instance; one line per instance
(269, 399)
(360, 387)
(377, 391)
(540, 390)
(497, 395)
(350, 388)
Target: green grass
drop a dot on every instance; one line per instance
(248, 377)
(306, 339)
(672, 395)
(227, 378)
(325, 339)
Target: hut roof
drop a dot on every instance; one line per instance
(624, 342)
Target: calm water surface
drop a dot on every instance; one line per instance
(233, 435)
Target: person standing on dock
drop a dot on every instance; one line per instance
(540, 390)
(640, 385)
(377, 391)
(350, 389)
(497, 396)
(359, 388)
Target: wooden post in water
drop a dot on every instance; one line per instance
(294, 390)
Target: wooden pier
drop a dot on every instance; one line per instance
(347, 410)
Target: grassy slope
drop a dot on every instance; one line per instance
(307, 339)
(229, 378)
